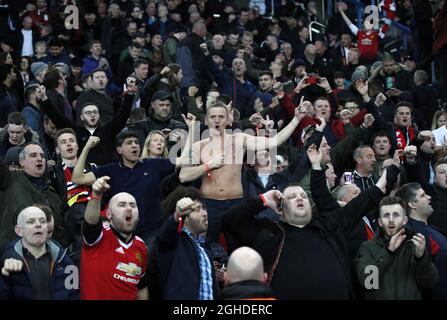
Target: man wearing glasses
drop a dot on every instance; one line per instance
(91, 124)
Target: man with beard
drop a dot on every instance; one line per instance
(181, 243)
(160, 117)
(397, 258)
(168, 79)
(420, 158)
(98, 96)
(114, 260)
(420, 211)
(90, 114)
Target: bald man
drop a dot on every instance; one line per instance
(113, 260)
(35, 267)
(245, 277)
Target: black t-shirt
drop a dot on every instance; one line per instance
(308, 268)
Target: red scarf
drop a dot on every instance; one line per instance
(402, 140)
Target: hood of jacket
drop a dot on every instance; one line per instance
(57, 253)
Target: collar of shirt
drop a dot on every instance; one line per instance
(119, 236)
(200, 240)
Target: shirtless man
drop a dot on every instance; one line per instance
(219, 160)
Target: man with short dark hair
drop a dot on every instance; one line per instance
(181, 242)
(397, 258)
(92, 124)
(16, 133)
(126, 67)
(97, 94)
(9, 100)
(56, 53)
(159, 117)
(438, 192)
(96, 60)
(74, 197)
(56, 85)
(381, 144)
(31, 111)
(140, 178)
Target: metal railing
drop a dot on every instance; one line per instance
(312, 29)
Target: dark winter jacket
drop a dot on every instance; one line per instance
(18, 285)
(247, 290)
(401, 274)
(104, 152)
(173, 267)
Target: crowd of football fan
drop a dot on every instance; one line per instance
(207, 149)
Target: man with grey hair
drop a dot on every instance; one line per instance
(22, 189)
(364, 159)
(245, 277)
(35, 267)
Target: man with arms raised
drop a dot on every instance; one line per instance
(113, 260)
(403, 267)
(299, 251)
(220, 159)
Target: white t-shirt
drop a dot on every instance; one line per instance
(27, 49)
(440, 135)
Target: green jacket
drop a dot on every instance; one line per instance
(169, 50)
(401, 275)
(16, 193)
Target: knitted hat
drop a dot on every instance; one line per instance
(12, 155)
(38, 67)
(358, 75)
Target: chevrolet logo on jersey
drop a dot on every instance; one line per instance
(130, 269)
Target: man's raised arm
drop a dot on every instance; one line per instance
(262, 143)
(79, 177)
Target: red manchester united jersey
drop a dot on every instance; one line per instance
(112, 269)
(368, 44)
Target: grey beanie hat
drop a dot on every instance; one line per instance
(358, 75)
(38, 67)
